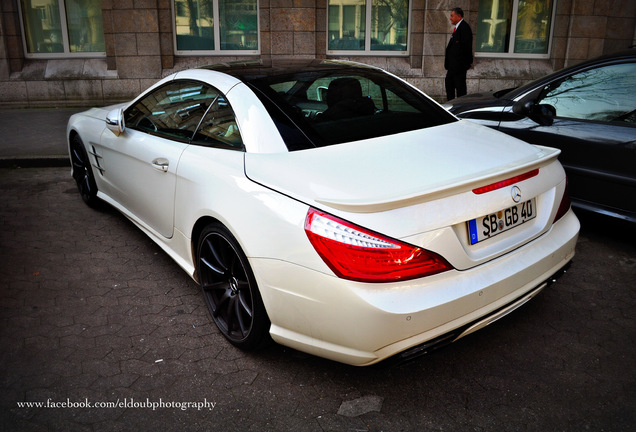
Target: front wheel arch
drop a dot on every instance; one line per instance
(82, 170)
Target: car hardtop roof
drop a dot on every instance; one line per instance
(625, 54)
(253, 70)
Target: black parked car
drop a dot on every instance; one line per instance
(589, 112)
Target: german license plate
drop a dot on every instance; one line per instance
(488, 226)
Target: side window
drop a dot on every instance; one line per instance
(603, 94)
(172, 111)
(219, 127)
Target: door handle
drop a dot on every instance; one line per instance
(161, 164)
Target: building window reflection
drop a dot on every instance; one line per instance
(368, 26)
(514, 27)
(53, 27)
(209, 26)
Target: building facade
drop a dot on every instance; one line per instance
(97, 52)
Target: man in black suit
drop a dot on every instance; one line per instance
(459, 55)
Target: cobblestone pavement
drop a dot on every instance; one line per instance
(93, 312)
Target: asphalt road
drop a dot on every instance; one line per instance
(103, 330)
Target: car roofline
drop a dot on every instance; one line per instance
(521, 91)
(253, 69)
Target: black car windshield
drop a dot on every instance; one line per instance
(321, 107)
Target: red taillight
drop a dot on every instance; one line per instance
(565, 204)
(361, 255)
(506, 182)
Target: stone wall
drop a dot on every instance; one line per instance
(140, 48)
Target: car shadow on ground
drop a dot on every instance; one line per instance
(593, 224)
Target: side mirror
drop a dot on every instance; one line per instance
(115, 121)
(522, 108)
(541, 113)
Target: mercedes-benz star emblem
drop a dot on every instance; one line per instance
(516, 194)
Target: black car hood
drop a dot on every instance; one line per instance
(478, 100)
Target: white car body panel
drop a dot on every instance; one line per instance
(420, 193)
(373, 175)
(432, 202)
(382, 320)
(132, 164)
(257, 129)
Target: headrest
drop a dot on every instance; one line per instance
(343, 88)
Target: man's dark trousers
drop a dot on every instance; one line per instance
(455, 80)
(459, 58)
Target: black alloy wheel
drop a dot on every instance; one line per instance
(230, 290)
(82, 172)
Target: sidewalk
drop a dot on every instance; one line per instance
(34, 137)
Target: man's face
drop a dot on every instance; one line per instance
(455, 18)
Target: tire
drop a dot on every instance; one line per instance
(82, 172)
(230, 290)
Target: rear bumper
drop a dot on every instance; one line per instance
(362, 324)
(460, 332)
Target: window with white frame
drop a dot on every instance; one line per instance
(371, 27)
(61, 28)
(517, 28)
(216, 26)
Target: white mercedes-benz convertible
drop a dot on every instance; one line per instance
(330, 206)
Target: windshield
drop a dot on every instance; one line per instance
(326, 107)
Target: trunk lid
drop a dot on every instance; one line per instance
(418, 186)
(388, 173)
